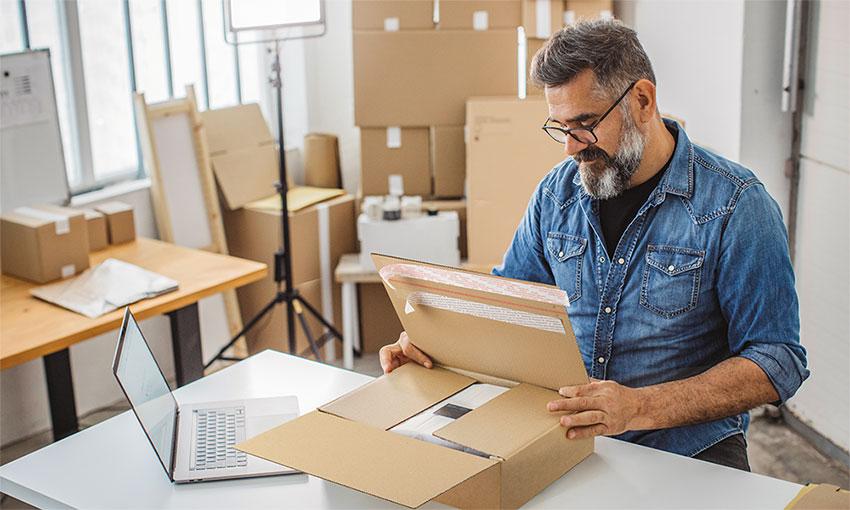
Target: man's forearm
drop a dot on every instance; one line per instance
(731, 387)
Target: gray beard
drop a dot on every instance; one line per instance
(607, 177)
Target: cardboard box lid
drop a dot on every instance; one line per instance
(245, 175)
(483, 324)
(297, 199)
(362, 457)
(237, 127)
(388, 401)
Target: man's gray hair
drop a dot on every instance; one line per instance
(609, 48)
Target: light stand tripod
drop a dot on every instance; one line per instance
(286, 293)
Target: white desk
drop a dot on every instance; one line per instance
(111, 465)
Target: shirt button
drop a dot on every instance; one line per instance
(607, 309)
(671, 268)
(601, 359)
(621, 261)
(601, 260)
(560, 254)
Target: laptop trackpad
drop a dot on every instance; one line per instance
(256, 425)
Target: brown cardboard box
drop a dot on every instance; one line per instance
(423, 77)
(243, 153)
(480, 14)
(392, 15)
(388, 151)
(321, 161)
(379, 324)
(458, 206)
(448, 161)
(507, 155)
(575, 10)
(525, 445)
(253, 232)
(98, 231)
(541, 20)
(43, 243)
(120, 223)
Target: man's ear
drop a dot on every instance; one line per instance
(644, 95)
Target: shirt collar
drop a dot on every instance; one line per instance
(679, 178)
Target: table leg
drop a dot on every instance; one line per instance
(186, 343)
(60, 392)
(349, 312)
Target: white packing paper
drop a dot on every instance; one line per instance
(105, 287)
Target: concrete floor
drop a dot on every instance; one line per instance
(774, 449)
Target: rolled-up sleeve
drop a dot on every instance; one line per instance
(524, 259)
(755, 287)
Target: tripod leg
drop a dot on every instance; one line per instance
(266, 309)
(299, 312)
(318, 316)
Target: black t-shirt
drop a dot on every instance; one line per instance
(616, 213)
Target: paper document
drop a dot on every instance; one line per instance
(105, 287)
(423, 425)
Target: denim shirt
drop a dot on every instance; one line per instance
(701, 274)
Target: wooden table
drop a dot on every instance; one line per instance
(31, 328)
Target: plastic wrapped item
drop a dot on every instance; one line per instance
(423, 425)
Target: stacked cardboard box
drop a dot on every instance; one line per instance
(244, 160)
(415, 64)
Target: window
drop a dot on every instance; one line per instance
(102, 51)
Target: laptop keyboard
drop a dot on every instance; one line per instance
(216, 432)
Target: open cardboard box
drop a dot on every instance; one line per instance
(476, 328)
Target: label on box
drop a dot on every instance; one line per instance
(569, 17)
(63, 226)
(606, 14)
(391, 24)
(480, 20)
(393, 137)
(68, 270)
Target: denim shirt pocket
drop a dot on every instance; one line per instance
(565, 253)
(671, 279)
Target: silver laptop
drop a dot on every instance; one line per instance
(194, 442)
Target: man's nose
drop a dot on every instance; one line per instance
(573, 146)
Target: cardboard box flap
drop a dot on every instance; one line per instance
(297, 198)
(384, 464)
(395, 397)
(237, 127)
(485, 324)
(505, 424)
(246, 175)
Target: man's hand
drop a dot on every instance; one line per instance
(599, 408)
(397, 354)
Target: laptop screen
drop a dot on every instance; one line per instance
(146, 388)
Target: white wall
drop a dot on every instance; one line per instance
(823, 239)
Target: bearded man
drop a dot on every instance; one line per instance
(675, 261)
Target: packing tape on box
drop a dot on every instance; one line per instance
(521, 65)
(543, 17)
(391, 24)
(68, 270)
(484, 311)
(569, 17)
(63, 226)
(435, 15)
(325, 272)
(480, 20)
(393, 137)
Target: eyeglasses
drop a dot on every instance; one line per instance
(582, 134)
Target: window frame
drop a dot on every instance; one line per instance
(72, 60)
